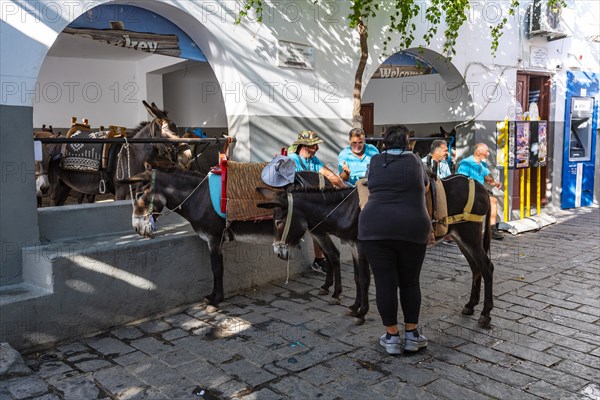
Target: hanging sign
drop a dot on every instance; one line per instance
(402, 65)
(135, 28)
(522, 144)
(539, 143)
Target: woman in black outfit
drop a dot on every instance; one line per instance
(394, 229)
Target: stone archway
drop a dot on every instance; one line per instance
(422, 102)
(20, 224)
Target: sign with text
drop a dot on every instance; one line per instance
(135, 28)
(402, 65)
(522, 143)
(295, 55)
(538, 57)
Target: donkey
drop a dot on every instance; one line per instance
(123, 161)
(336, 212)
(187, 193)
(322, 213)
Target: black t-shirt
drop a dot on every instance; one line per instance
(396, 208)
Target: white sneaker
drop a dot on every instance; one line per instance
(391, 343)
(413, 341)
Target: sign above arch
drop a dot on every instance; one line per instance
(402, 65)
(137, 29)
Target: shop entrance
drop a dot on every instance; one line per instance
(533, 88)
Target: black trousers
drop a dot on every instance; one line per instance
(396, 265)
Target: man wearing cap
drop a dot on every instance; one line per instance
(355, 158)
(303, 152)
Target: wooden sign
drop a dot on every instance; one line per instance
(167, 45)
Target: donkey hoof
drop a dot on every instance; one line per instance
(467, 311)
(358, 321)
(323, 292)
(485, 322)
(350, 312)
(334, 302)
(210, 309)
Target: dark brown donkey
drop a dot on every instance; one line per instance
(123, 160)
(336, 212)
(187, 193)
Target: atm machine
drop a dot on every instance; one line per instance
(579, 152)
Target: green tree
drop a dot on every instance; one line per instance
(401, 14)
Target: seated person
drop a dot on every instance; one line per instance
(438, 154)
(355, 158)
(475, 167)
(303, 152)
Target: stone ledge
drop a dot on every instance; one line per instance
(78, 286)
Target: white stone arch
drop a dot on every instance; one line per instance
(452, 90)
(32, 29)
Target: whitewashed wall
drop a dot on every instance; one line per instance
(193, 97)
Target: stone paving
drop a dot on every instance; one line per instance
(284, 341)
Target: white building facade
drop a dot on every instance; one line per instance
(247, 89)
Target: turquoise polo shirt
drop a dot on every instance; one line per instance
(474, 169)
(306, 164)
(358, 165)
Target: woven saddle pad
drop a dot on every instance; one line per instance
(242, 180)
(83, 157)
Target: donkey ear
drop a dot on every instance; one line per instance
(150, 109)
(271, 197)
(268, 204)
(139, 178)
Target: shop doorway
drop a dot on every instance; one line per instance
(533, 87)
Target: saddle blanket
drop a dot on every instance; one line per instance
(242, 181)
(83, 157)
(214, 186)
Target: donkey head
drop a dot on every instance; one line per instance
(162, 126)
(148, 202)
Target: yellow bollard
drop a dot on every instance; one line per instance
(528, 193)
(538, 208)
(521, 194)
(502, 140)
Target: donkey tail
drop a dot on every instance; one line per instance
(487, 235)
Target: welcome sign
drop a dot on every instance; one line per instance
(135, 28)
(402, 65)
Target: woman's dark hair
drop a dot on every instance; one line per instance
(396, 137)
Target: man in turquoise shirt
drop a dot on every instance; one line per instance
(475, 167)
(303, 152)
(355, 158)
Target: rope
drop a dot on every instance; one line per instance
(121, 176)
(169, 211)
(331, 212)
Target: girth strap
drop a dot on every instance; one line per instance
(288, 218)
(466, 215)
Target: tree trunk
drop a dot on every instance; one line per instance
(357, 121)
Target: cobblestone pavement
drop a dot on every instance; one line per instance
(286, 342)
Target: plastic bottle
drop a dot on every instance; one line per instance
(518, 111)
